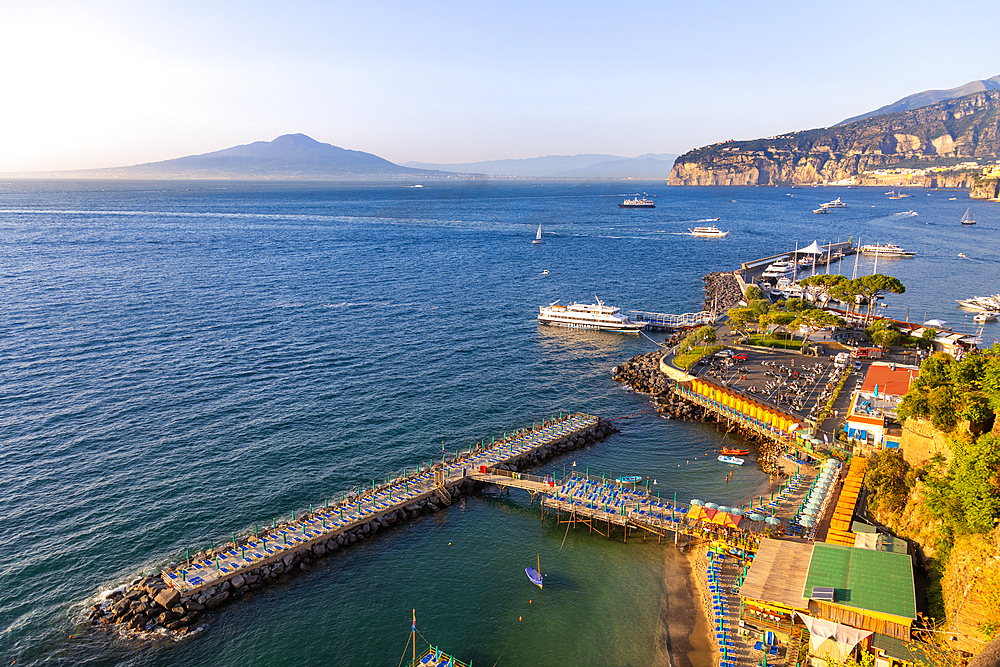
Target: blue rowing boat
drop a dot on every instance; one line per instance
(629, 479)
(534, 576)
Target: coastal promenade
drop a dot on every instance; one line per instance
(353, 512)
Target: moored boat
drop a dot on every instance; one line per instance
(534, 576)
(836, 203)
(629, 479)
(588, 316)
(732, 460)
(735, 452)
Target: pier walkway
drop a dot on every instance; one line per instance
(604, 503)
(283, 540)
(668, 322)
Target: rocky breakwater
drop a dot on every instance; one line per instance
(577, 440)
(722, 292)
(149, 603)
(643, 374)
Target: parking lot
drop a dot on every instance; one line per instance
(795, 384)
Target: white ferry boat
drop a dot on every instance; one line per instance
(637, 203)
(588, 316)
(713, 232)
(778, 270)
(836, 203)
(887, 250)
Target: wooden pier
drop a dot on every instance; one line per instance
(284, 540)
(602, 505)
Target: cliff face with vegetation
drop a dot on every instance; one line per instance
(942, 492)
(943, 134)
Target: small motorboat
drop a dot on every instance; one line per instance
(732, 460)
(533, 575)
(545, 272)
(821, 209)
(735, 452)
(629, 479)
(984, 316)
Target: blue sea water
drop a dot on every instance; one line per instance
(182, 360)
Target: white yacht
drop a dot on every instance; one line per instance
(713, 232)
(985, 316)
(588, 316)
(777, 270)
(885, 250)
(836, 203)
(984, 304)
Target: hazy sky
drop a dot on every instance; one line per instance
(110, 83)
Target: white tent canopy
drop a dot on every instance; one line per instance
(845, 636)
(812, 249)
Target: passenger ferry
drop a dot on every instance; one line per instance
(637, 203)
(588, 316)
(888, 250)
(713, 232)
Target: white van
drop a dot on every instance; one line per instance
(841, 359)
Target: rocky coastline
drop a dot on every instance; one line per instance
(642, 373)
(149, 604)
(722, 292)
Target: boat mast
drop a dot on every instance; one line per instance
(413, 636)
(855, 274)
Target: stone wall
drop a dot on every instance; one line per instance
(921, 441)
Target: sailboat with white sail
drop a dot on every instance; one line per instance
(538, 236)
(966, 220)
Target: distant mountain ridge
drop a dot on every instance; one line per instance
(928, 97)
(290, 156)
(588, 165)
(943, 134)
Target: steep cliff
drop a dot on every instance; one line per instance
(943, 134)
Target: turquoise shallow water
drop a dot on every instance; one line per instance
(182, 360)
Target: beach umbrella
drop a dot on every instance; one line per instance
(695, 501)
(772, 520)
(754, 516)
(807, 521)
(723, 508)
(736, 510)
(809, 512)
(711, 506)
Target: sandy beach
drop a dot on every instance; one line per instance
(684, 631)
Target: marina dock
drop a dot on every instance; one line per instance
(354, 512)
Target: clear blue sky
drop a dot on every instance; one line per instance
(108, 83)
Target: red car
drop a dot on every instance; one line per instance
(739, 357)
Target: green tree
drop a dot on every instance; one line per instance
(759, 306)
(741, 320)
(707, 334)
(975, 472)
(885, 477)
(875, 285)
(884, 333)
(941, 403)
(977, 410)
(823, 285)
(753, 293)
(796, 305)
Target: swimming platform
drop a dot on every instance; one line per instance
(349, 514)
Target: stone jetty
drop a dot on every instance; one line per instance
(722, 292)
(184, 593)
